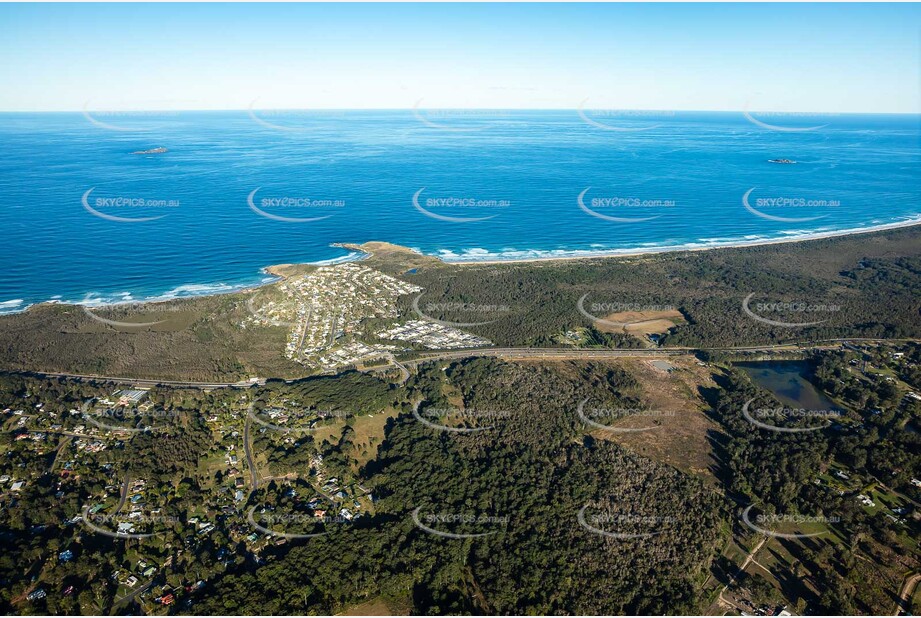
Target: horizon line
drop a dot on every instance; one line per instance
(576, 109)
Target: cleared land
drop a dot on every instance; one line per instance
(640, 323)
(682, 435)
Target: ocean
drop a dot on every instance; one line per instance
(86, 220)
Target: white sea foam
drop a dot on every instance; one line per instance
(478, 254)
(352, 256)
(475, 254)
(11, 306)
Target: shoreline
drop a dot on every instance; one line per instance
(730, 244)
(359, 252)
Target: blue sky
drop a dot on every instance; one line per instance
(778, 57)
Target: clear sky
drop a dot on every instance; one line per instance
(778, 57)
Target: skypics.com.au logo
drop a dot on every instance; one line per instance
(432, 523)
(104, 207)
(611, 308)
(591, 416)
(126, 527)
(787, 309)
(125, 419)
(766, 418)
(479, 310)
(270, 207)
(280, 418)
(624, 120)
(434, 207)
(764, 207)
(437, 416)
(293, 520)
(623, 526)
(603, 207)
(765, 523)
(458, 120)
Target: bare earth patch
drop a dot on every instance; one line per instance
(374, 607)
(680, 434)
(641, 322)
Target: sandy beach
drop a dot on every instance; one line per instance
(370, 249)
(628, 253)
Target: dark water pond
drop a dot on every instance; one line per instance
(788, 381)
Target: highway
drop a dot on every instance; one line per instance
(145, 382)
(515, 353)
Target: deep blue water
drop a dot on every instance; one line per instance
(373, 163)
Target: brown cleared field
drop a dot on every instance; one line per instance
(641, 322)
(681, 434)
(376, 607)
(676, 432)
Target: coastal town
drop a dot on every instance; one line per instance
(326, 309)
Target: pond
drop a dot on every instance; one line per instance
(788, 382)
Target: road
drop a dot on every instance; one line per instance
(304, 325)
(748, 560)
(250, 462)
(511, 352)
(391, 363)
(124, 495)
(144, 382)
(64, 433)
(546, 353)
(908, 589)
(132, 595)
(65, 440)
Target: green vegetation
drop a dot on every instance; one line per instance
(525, 480)
(862, 551)
(528, 304)
(474, 486)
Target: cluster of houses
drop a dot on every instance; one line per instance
(329, 302)
(433, 335)
(202, 527)
(347, 499)
(353, 353)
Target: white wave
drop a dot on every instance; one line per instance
(11, 304)
(352, 256)
(478, 254)
(198, 289)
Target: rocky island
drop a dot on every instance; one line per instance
(157, 150)
(781, 161)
